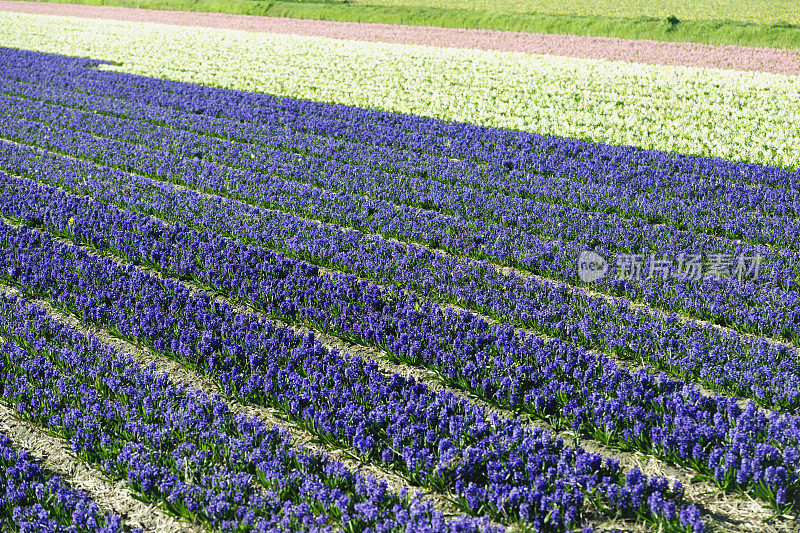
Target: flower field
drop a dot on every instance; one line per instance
(741, 116)
(270, 282)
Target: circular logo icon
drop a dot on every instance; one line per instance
(591, 266)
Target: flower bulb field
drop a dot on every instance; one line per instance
(261, 275)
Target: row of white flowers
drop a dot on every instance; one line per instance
(734, 115)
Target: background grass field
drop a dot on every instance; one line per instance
(769, 23)
(754, 11)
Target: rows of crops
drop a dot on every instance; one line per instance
(215, 228)
(739, 116)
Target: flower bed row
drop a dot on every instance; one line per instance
(699, 193)
(697, 182)
(745, 449)
(552, 170)
(753, 368)
(765, 305)
(186, 452)
(484, 198)
(493, 465)
(32, 499)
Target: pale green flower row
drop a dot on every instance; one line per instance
(734, 115)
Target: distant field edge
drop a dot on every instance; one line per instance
(785, 36)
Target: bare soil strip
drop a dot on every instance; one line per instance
(730, 57)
